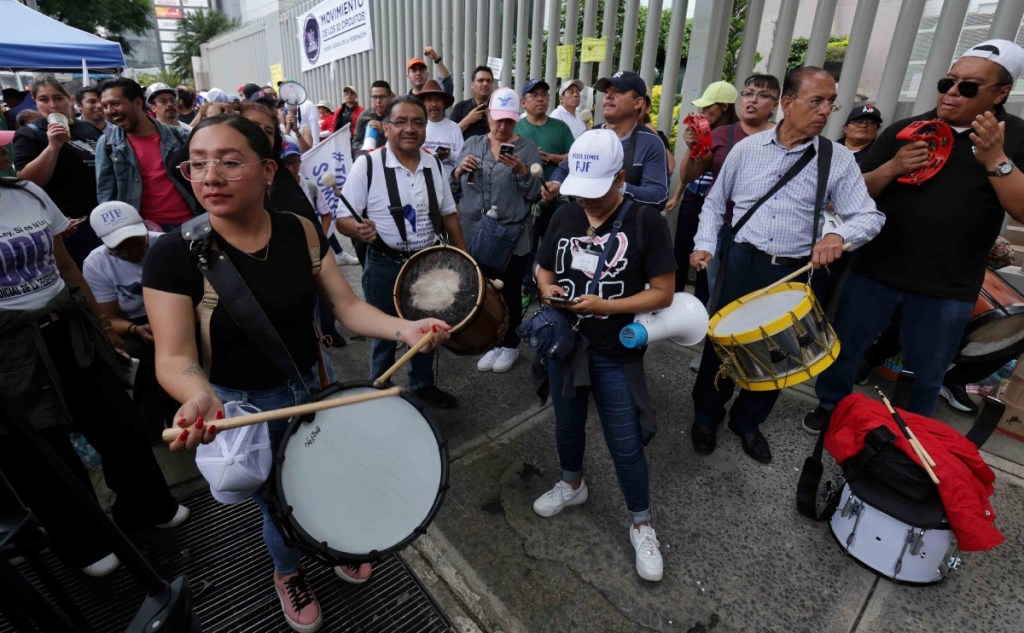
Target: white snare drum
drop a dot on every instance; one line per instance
(356, 482)
(890, 547)
(773, 340)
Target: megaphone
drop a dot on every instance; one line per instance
(294, 95)
(686, 318)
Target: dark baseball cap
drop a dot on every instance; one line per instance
(533, 84)
(623, 80)
(866, 111)
(249, 90)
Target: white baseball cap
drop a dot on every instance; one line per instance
(114, 222)
(1003, 52)
(237, 461)
(569, 82)
(594, 160)
(504, 104)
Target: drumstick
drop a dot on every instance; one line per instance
(926, 460)
(538, 173)
(169, 435)
(406, 357)
(793, 275)
(331, 181)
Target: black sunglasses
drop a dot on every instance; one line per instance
(968, 89)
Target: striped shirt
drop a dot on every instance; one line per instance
(782, 226)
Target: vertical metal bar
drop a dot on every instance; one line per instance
(783, 39)
(572, 20)
(536, 39)
(604, 69)
(707, 24)
(417, 30)
(820, 32)
(853, 63)
(452, 50)
(723, 36)
(589, 26)
(494, 43)
(1006, 20)
(670, 79)
(651, 36)
(481, 30)
(468, 23)
(508, 23)
(627, 54)
(951, 22)
(748, 42)
(393, 47)
(551, 69)
(522, 27)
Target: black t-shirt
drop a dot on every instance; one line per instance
(460, 111)
(73, 185)
(283, 285)
(937, 234)
(643, 251)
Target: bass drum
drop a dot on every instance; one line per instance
(996, 328)
(359, 481)
(445, 283)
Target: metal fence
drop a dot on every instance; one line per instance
(467, 32)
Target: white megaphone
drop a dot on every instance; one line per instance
(686, 318)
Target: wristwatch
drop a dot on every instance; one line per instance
(1002, 169)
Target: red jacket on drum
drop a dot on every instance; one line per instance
(965, 480)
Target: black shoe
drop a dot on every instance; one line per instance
(435, 397)
(956, 396)
(863, 373)
(755, 445)
(703, 439)
(816, 421)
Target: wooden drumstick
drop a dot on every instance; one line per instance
(791, 276)
(406, 357)
(538, 173)
(331, 181)
(926, 460)
(169, 435)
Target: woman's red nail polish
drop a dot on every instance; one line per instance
(212, 429)
(184, 435)
(423, 331)
(182, 423)
(433, 328)
(199, 422)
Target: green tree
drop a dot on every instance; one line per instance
(194, 30)
(167, 76)
(110, 19)
(798, 50)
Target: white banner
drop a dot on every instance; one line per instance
(331, 155)
(334, 30)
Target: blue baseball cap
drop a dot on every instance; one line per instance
(289, 149)
(533, 84)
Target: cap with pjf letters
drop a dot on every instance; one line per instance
(594, 160)
(114, 222)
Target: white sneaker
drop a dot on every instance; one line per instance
(561, 496)
(103, 567)
(180, 516)
(648, 555)
(345, 259)
(486, 362)
(506, 358)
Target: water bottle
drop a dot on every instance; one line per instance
(370, 141)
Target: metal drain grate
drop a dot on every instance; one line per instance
(223, 546)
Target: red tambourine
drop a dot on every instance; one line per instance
(939, 138)
(702, 129)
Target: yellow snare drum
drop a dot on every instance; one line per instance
(775, 339)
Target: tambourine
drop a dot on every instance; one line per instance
(702, 129)
(939, 138)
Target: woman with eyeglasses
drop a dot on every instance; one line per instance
(860, 130)
(59, 155)
(231, 169)
(60, 369)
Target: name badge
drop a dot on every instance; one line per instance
(584, 261)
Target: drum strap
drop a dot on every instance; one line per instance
(592, 285)
(633, 176)
(824, 167)
(807, 486)
(396, 207)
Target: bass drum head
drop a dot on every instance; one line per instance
(439, 282)
(361, 480)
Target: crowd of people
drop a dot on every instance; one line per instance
(136, 187)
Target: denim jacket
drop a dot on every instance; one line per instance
(117, 171)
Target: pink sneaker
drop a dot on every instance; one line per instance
(355, 574)
(298, 602)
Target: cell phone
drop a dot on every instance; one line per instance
(557, 299)
(507, 149)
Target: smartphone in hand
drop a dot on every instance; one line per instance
(507, 149)
(560, 300)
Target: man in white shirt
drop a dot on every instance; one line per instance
(427, 208)
(568, 100)
(444, 136)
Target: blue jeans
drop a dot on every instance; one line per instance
(379, 275)
(743, 272)
(930, 333)
(618, 412)
(289, 393)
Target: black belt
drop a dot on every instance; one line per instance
(390, 253)
(774, 260)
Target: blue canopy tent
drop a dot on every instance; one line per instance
(30, 40)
